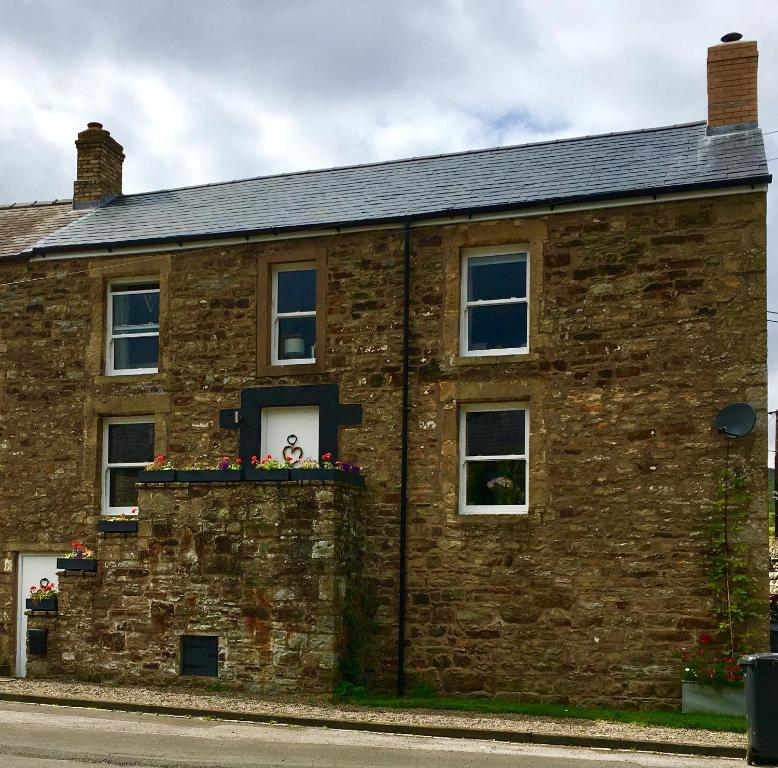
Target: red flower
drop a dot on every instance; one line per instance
(326, 456)
(238, 460)
(706, 639)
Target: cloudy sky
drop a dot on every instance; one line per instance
(209, 90)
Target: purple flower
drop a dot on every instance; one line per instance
(224, 464)
(79, 555)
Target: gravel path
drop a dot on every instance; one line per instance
(298, 706)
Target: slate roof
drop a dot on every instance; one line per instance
(679, 157)
(22, 224)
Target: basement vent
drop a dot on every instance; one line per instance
(200, 655)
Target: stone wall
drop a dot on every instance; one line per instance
(264, 566)
(644, 321)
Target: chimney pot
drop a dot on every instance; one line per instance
(732, 87)
(99, 167)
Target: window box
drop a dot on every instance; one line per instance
(353, 478)
(728, 700)
(74, 564)
(266, 475)
(157, 476)
(117, 526)
(47, 605)
(209, 475)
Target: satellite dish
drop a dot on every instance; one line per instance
(736, 420)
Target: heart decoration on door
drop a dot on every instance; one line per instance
(292, 452)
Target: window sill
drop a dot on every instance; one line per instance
(520, 357)
(472, 518)
(291, 370)
(130, 378)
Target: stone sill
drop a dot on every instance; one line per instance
(524, 357)
(131, 378)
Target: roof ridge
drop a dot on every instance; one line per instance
(36, 203)
(377, 163)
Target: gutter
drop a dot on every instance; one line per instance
(402, 597)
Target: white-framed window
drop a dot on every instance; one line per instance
(128, 445)
(493, 453)
(133, 327)
(494, 317)
(293, 313)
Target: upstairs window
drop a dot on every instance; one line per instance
(493, 448)
(133, 328)
(128, 445)
(494, 317)
(293, 314)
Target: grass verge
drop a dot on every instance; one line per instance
(501, 706)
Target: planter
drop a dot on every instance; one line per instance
(157, 476)
(328, 474)
(117, 526)
(729, 700)
(73, 564)
(49, 604)
(209, 475)
(266, 475)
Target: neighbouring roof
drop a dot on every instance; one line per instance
(22, 224)
(675, 158)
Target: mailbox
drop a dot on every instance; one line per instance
(38, 640)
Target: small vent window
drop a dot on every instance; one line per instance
(200, 655)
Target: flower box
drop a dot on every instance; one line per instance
(157, 476)
(117, 526)
(266, 475)
(76, 564)
(727, 700)
(209, 475)
(47, 604)
(353, 478)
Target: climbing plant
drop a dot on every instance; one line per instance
(359, 609)
(727, 560)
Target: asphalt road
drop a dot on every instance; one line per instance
(40, 736)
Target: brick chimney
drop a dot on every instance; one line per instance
(99, 167)
(732, 84)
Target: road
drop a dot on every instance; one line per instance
(39, 736)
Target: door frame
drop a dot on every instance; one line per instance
(20, 655)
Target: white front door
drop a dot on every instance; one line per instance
(32, 568)
(291, 430)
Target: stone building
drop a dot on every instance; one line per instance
(523, 347)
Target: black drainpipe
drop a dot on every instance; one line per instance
(404, 455)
